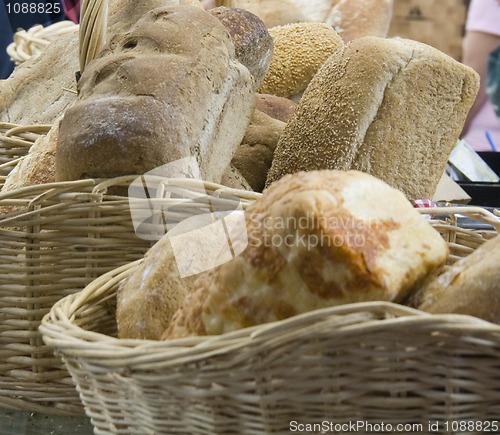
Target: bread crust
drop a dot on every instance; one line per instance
(167, 89)
(393, 108)
(471, 286)
(314, 240)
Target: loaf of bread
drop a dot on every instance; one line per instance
(279, 108)
(393, 108)
(40, 89)
(167, 89)
(252, 42)
(125, 13)
(314, 240)
(471, 286)
(254, 156)
(38, 166)
(149, 297)
(299, 51)
(357, 18)
(274, 12)
(350, 18)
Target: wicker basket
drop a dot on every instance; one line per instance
(377, 363)
(57, 239)
(15, 142)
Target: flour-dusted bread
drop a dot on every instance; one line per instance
(471, 286)
(167, 89)
(314, 240)
(393, 108)
(40, 89)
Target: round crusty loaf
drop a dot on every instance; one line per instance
(252, 42)
(471, 286)
(391, 107)
(299, 51)
(314, 240)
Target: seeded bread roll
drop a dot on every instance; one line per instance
(471, 286)
(168, 89)
(393, 108)
(314, 240)
(299, 51)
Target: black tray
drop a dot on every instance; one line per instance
(485, 194)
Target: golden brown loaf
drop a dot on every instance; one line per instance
(314, 240)
(471, 286)
(393, 108)
(299, 51)
(167, 89)
(37, 167)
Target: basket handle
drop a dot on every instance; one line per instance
(92, 33)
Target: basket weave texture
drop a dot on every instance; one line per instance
(15, 142)
(360, 363)
(55, 240)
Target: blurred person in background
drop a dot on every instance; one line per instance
(24, 14)
(482, 128)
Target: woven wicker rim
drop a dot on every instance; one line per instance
(60, 329)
